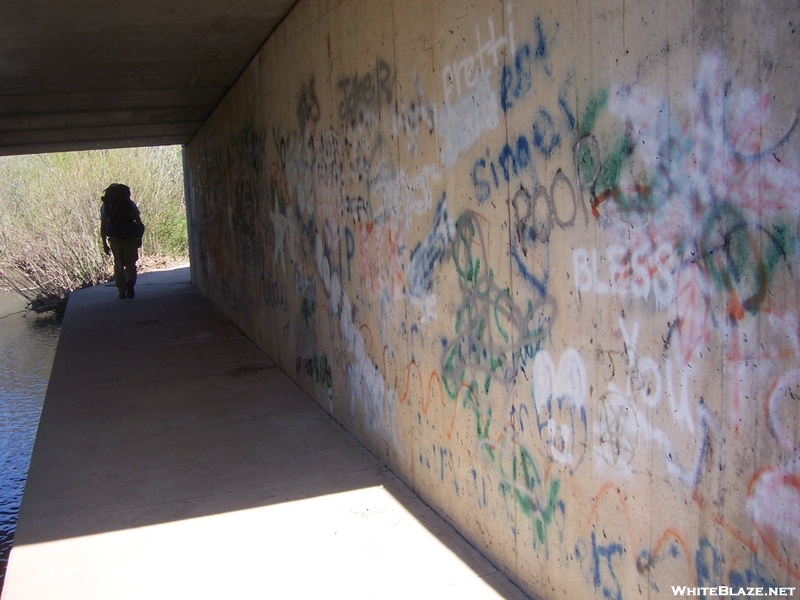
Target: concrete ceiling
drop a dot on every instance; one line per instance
(86, 74)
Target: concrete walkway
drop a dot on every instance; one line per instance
(173, 460)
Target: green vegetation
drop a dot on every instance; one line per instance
(50, 217)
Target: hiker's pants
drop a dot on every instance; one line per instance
(126, 253)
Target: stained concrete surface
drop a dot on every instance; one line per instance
(174, 460)
(81, 76)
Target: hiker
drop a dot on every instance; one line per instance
(121, 226)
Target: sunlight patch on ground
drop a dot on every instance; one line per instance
(355, 544)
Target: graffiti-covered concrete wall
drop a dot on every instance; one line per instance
(542, 259)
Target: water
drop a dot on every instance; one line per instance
(27, 347)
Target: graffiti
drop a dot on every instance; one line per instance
(780, 336)
(669, 556)
(328, 184)
(774, 507)
(494, 339)
(279, 189)
(511, 161)
(620, 422)
(616, 429)
(515, 160)
(692, 304)
(445, 461)
(308, 309)
(537, 495)
(782, 411)
(604, 576)
(357, 209)
(480, 495)
(365, 380)
(380, 230)
(275, 295)
(481, 110)
(401, 195)
(586, 158)
(364, 231)
(670, 559)
(304, 286)
(227, 221)
(516, 80)
(419, 198)
(476, 104)
(411, 115)
(702, 203)
(366, 92)
(739, 257)
(604, 554)
(773, 495)
(308, 106)
(706, 566)
(350, 249)
(535, 224)
(534, 219)
(625, 272)
(683, 280)
(280, 224)
(426, 255)
(293, 174)
(473, 68)
(306, 183)
(493, 332)
(709, 563)
(391, 279)
(713, 192)
(546, 137)
(560, 399)
(316, 367)
(363, 143)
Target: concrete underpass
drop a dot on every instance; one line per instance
(539, 258)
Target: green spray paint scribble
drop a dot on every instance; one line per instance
(526, 483)
(740, 258)
(609, 173)
(596, 104)
(613, 163)
(586, 165)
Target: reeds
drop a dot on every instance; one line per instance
(50, 217)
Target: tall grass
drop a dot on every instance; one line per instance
(50, 217)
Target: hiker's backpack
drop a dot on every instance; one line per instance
(120, 215)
